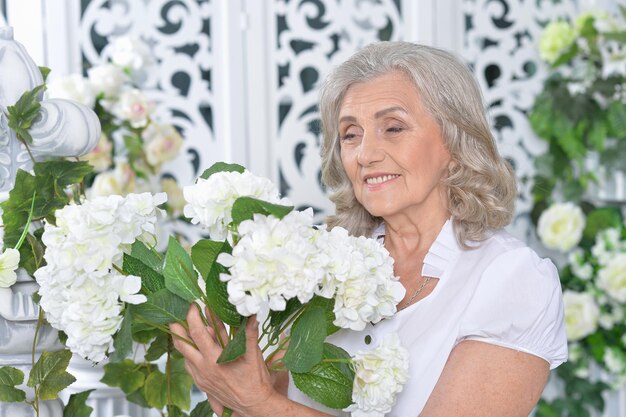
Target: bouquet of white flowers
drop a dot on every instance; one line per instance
(107, 289)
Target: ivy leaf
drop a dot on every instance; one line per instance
(222, 167)
(306, 345)
(64, 173)
(155, 389)
(244, 208)
(329, 383)
(77, 405)
(180, 276)
(21, 115)
(202, 409)
(150, 279)
(180, 383)
(236, 347)
(123, 339)
(161, 307)
(10, 377)
(49, 373)
(125, 375)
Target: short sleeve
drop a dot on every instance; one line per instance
(518, 304)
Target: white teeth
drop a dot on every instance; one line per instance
(380, 180)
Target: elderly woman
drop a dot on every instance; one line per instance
(408, 151)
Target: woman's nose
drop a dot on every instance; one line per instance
(370, 150)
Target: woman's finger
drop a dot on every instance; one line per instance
(218, 323)
(201, 335)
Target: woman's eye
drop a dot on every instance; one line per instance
(347, 136)
(395, 129)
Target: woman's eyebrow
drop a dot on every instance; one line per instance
(377, 115)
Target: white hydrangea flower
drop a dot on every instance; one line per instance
(561, 226)
(360, 277)
(72, 87)
(9, 261)
(106, 79)
(81, 292)
(273, 262)
(131, 52)
(612, 277)
(581, 314)
(133, 106)
(210, 201)
(380, 375)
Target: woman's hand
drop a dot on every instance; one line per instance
(239, 385)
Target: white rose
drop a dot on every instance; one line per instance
(133, 106)
(106, 79)
(130, 52)
(72, 87)
(100, 157)
(614, 360)
(162, 142)
(9, 261)
(561, 226)
(581, 315)
(612, 278)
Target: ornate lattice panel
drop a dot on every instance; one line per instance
(312, 36)
(180, 83)
(501, 44)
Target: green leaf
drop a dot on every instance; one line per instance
(217, 297)
(204, 254)
(566, 56)
(150, 279)
(306, 344)
(597, 135)
(180, 384)
(155, 389)
(202, 409)
(180, 276)
(77, 405)
(126, 375)
(615, 36)
(49, 373)
(222, 167)
(158, 347)
(616, 117)
(236, 347)
(147, 256)
(9, 378)
(328, 305)
(45, 71)
(329, 383)
(173, 411)
(21, 115)
(162, 307)
(278, 318)
(123, 339)
(600, 219)
(244, 208)
(63, 172)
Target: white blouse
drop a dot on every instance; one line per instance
(500, 292)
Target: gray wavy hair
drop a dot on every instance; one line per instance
(480, 184)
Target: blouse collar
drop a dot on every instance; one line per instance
(443, 252)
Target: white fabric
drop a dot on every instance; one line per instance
(499, 292)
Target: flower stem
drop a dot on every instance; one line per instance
(214, 324)
(168, 331)
(35, 403)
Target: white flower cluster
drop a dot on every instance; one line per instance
(360, 277)
(380, 376)
(81, 291)
(581, 314)
(274, 261)
(209, 201)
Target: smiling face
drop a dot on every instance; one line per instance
(392, 149)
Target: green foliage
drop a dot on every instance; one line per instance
(245, 208)
(123, 339)
(21, 115)
(236, 347)
(202, 409)
(49, 375)
(162, 307)
(329, 383)
(159, 347)
(306, 345)
(147, 256)
(151, 280)
(126, 375)
(179, 384)
(10, 377)
(222, 167)
(77, 405)
(180, 276)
